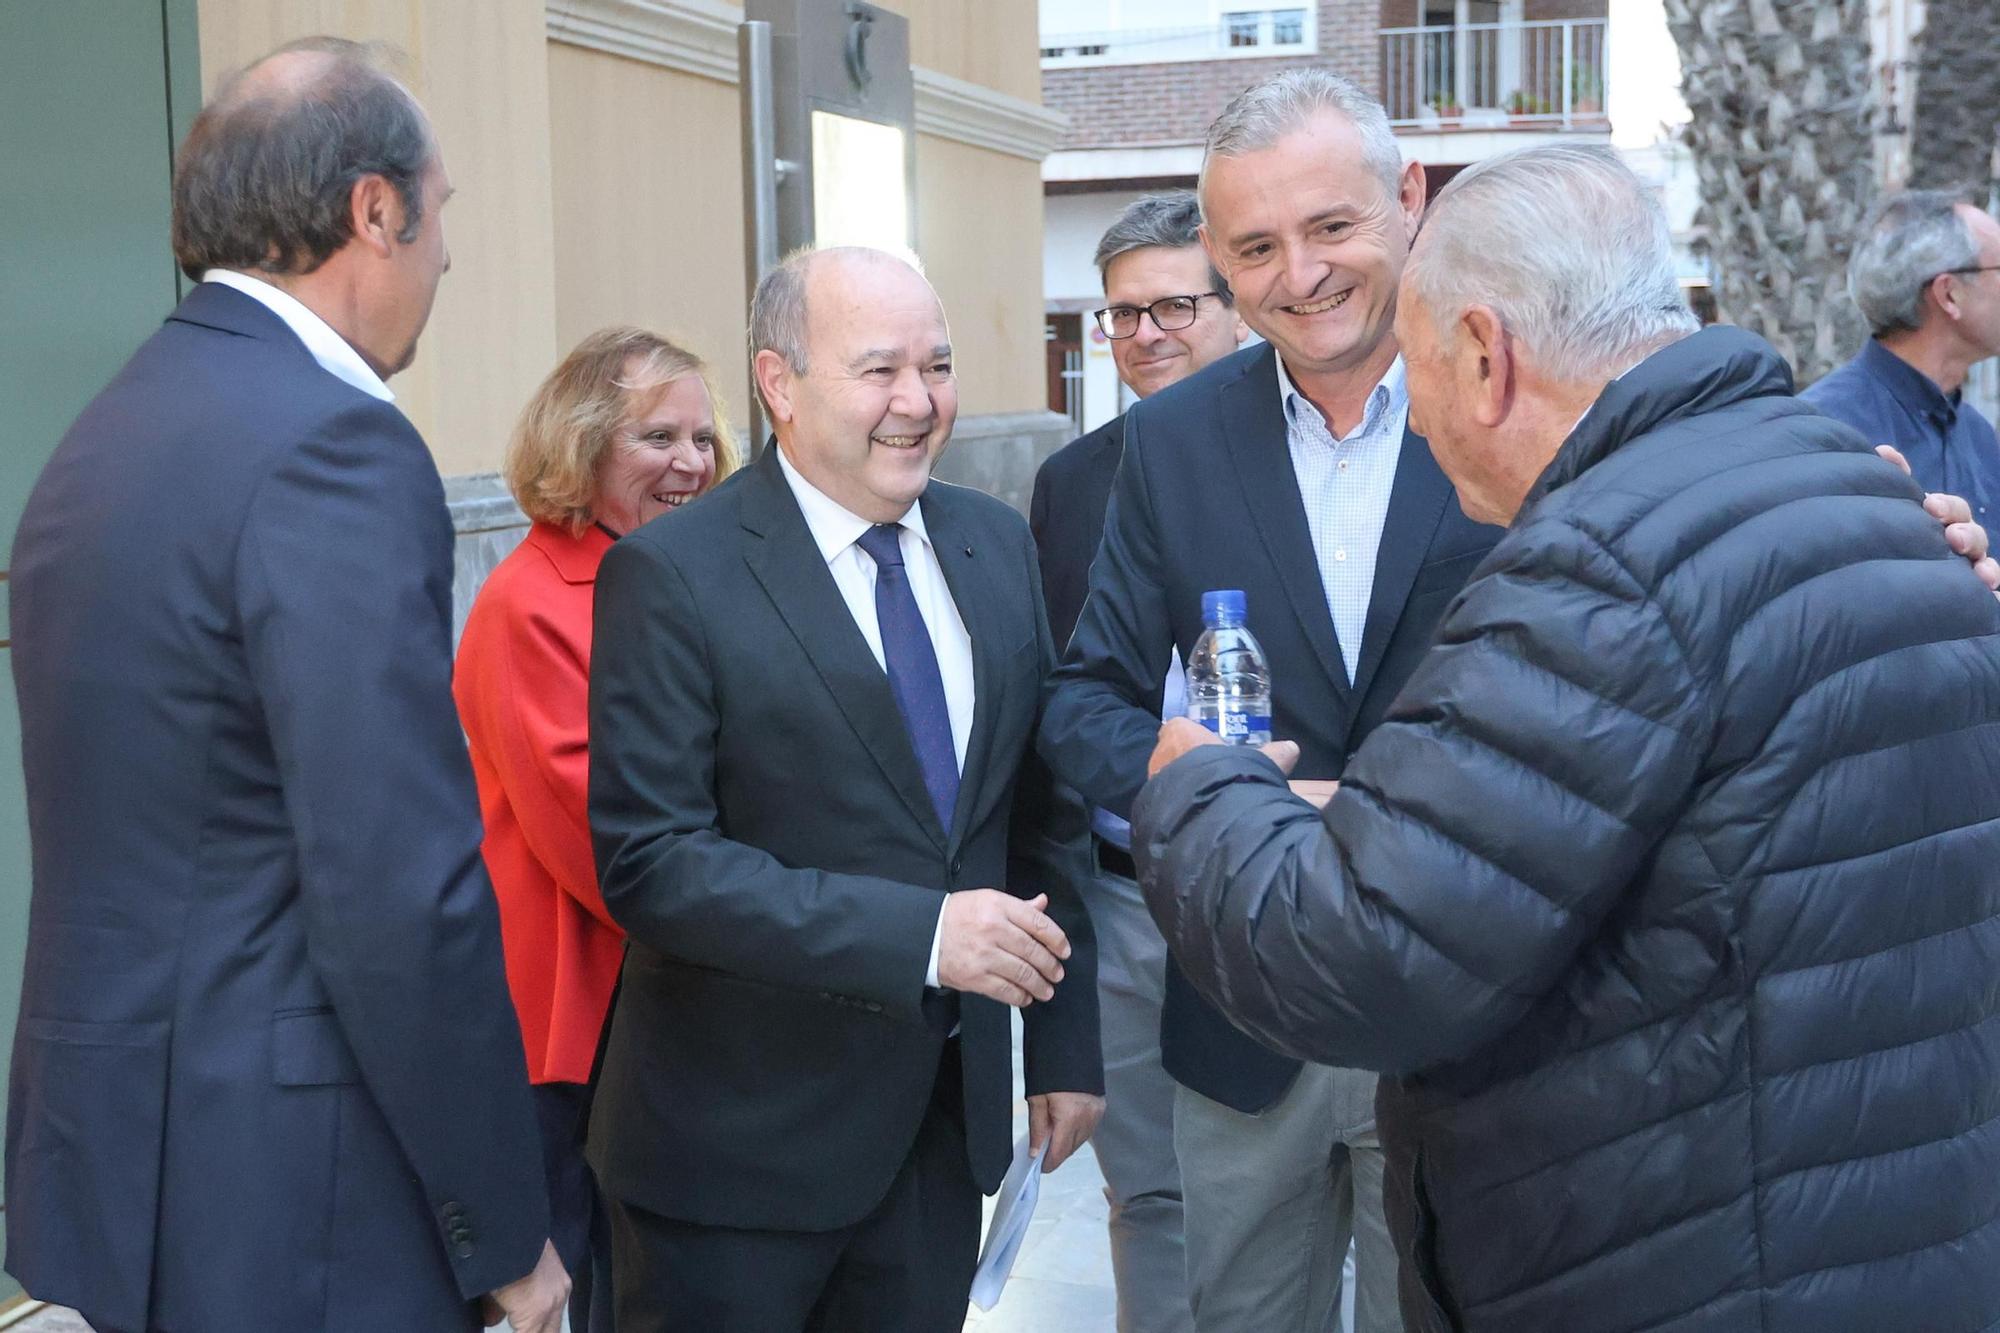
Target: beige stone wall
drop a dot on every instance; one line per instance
(991, 42)
(979, 231)
(596, 189)
(481, 68)
(649, 207)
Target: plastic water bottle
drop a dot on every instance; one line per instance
(1228, 683)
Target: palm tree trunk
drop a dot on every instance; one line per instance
(1958, 96)
(1781, 129)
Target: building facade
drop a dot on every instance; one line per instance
(1140, 80)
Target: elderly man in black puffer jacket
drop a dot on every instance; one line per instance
(1670, 889)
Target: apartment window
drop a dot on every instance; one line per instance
(1264, 28)
(1159, 31)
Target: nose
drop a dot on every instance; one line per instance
(909, 396)
(1149, 333)
(1304, 271)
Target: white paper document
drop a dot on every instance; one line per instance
(1012, 1212)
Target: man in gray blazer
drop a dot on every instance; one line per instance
(266, 1074)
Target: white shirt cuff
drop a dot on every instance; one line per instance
(937, 937)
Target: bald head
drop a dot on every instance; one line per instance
(263, 182)
(832, 283)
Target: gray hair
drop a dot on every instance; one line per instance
(1169, 221)
(1906, 240)
(264, 180)
(1568, 247)
(1266, 112)
(778, 309)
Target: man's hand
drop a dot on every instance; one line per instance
(1960, 532)
(1063, 1120)
(1317, 791)
(1178, 735)
(533, 1304)
(994, 944)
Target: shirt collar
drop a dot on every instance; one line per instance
(834, 526)
(1908, 385)
(1390, 393)
(575, 556)
(333, 353)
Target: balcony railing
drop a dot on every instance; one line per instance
(1548, 75)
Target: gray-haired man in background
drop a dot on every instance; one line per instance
(1926, 274)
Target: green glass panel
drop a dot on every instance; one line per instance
(86, 268)
(93, 96)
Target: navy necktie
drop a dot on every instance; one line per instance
(913, 669)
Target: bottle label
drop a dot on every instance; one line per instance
(1240, 728)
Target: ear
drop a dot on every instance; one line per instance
(774, 383)
(1943, 290)
(375, 214)
(1486, 368)
(1242, 331)
(1412, 192)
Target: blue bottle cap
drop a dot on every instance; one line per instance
(1223, 606)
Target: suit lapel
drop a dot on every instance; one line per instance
(1262, 451)
(969, 574)
(787, 562)
(1416, 503)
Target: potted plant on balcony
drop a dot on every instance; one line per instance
(1586, 92)
(1523, 107)
(1447, 108)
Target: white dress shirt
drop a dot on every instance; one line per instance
(835, 529)
(1346, 483)
(333, 352)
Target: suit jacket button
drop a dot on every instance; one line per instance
(874, 1008)
(957, 866)
(463, 1249)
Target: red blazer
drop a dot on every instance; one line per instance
(523, 689)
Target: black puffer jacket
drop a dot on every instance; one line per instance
(1669, 888)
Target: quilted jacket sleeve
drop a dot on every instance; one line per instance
(1478, 838)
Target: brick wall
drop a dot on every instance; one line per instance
(1173, 102)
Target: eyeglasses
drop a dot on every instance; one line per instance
(1976, 268)
(1168, 314)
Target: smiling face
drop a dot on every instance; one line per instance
(874, 407)
(1153, 358)
(1312, 242)
(661, 456)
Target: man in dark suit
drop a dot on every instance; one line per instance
(1168, 313)
(266, 1073)
(819, 816)
(1286, 470)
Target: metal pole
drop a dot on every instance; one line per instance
(760, 184)
(1569, 72)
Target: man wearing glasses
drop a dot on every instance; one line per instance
(1924, 275)
(1167, 314)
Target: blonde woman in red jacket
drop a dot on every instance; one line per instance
(626, 429)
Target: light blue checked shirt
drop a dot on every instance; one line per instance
(1345, 484)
